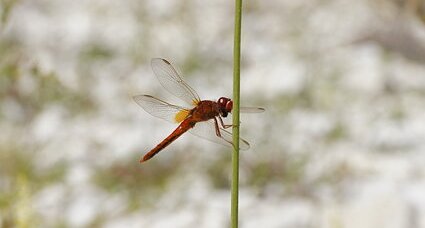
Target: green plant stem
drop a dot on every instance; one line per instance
(235, 113)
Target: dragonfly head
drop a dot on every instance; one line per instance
(225, 105)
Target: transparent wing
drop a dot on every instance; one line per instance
(206, 130)
(161, 109)
(172, 82)
(251, 109)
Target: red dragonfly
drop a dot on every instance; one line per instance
(206, 115)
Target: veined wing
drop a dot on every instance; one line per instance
(172, 82)
(251, 109)
(206, 130)
(161, 109)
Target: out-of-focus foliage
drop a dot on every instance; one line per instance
(6, 7)
(146, 186)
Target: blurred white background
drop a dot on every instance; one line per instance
(341, 144)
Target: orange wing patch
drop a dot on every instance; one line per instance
(181, 115)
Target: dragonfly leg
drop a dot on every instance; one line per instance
(225, 126)
(217, 128)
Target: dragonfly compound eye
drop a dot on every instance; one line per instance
(229, 106)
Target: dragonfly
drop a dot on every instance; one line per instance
(203, 118)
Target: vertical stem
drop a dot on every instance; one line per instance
(235, 113)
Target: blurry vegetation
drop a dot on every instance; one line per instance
(52, 91)
(20, 180)
(336, 175)
(414, 7)
(94, 52)
(16, 162)
(23, 205)
(6, 7)
(137, 182)
(286, 173)
(20, 176)
(46, 87)
(219, 172)
(337, 133)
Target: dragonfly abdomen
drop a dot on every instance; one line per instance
(182, 128)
